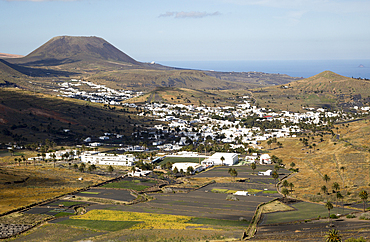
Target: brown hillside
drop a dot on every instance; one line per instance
(327, 89)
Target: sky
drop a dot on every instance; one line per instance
(196, 30)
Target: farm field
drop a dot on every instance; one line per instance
(131, 183)
(40, 183)
(114, 194)
(303, 211)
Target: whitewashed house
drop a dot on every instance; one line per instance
(108, 159)
(241, 193)
(265, 159)
(265, 173)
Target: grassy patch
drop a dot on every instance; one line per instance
(63, 214)
(66, 203)
(218, 222)
(220, 190)
(253, 191)
(92, 193)
(303, 211)
(100, 224)
(270, 192)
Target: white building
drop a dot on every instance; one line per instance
(241, 193)
(139, 173)
(265, 173)
(265, 159)
(229, 159)
(108, 159)
(184, 166)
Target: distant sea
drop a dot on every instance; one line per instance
(294, 68)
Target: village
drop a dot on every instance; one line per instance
(99, 94)
(185, 127)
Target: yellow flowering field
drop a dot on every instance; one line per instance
(148, 221)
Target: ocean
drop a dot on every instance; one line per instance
(294, 68)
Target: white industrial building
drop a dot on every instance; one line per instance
(108, 159)
(229, 159)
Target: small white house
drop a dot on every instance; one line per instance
(265, 173)
(241, 193)
(139, 173)
(265, 159)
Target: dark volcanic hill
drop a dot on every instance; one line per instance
(69, 49)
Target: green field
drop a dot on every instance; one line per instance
(180, 160)
(100, 225)
(66, 203)
(303, 211)
(63, 214)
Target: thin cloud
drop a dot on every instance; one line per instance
(192, 14)
(335, 6)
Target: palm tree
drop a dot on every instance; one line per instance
(275, 175)
(11, 151)
(363, 195)
(269, 142)
(253, 166)
(285, 183)
(54, 158)
(342, 169)
(339, 196)
(336, 186)
(222, 160)
(285, 192)
(110, 169)
(233, 172)
(326, 178)
(329, 206)
(291, 185)
(333, 236)
(324, 189)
